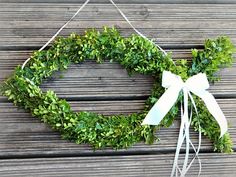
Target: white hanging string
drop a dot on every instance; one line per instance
(55, 35)
(76, 13)
(139, 33)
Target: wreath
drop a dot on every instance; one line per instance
(136, 55)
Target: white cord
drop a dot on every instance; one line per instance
(86, 2)
(55, 35)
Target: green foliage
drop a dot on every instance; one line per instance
(217, 53)
(134, 53)
(210, 128)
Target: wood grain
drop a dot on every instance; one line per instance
(30, 25)
(127, 2)
(213, 165)
(30, 148)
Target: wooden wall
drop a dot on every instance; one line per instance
(30, 148)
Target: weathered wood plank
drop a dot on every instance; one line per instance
(167, 38)
(92, 81)
(205, 24)
(62, 11)
(213, 165)
(23, 135)
(127, 2)
(30, 25)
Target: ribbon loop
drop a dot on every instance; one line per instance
(197, 83)
(169, 79)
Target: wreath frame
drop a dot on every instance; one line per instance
(136, 55)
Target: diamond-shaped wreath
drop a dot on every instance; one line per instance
(134, 53)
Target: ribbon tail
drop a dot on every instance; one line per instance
(199, 139)
(162, 106)
(195, 150)
(215, 111)
(186, 129)
(175, 169)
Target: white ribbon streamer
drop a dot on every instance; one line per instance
(198, 85)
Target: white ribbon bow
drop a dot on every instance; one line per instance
(196, 84)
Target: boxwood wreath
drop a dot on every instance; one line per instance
(136, 55)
